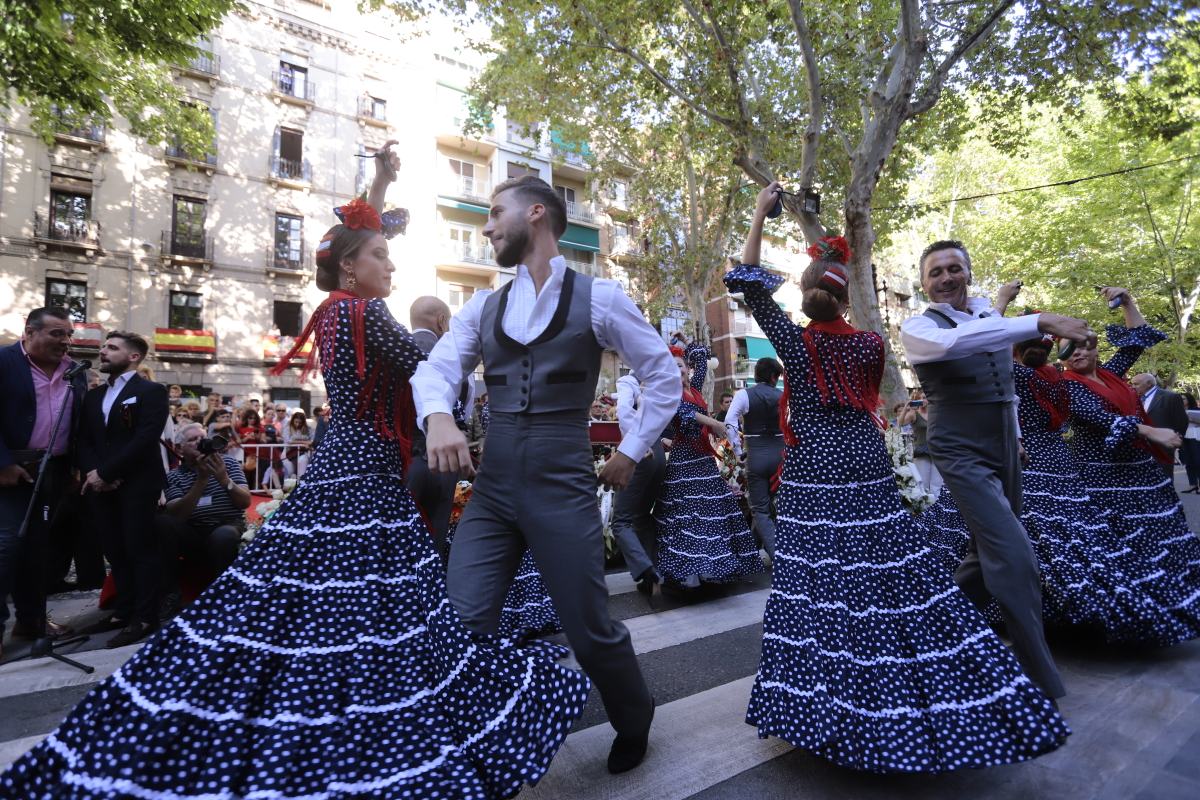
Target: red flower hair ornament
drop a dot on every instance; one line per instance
(676, 351)
(830, 248)
(358, 214)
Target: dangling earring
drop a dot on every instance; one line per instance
(351, 282)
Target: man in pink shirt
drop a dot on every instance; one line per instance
(33, 372)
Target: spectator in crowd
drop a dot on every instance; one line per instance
(33, 373)
(222, 425)
(119, 444)
(176, 413)
(1190, 454)
(212, 406)
(298, 437)
(322, 414)
(1165, 409)
(192, 407)
(726, 401)
(254, 402)
(251, 434)
(599, 412)
(282, 415)
(174, 394)
(94, 378)
(915, 417)
(203, 519)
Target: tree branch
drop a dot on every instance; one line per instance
(727, 55)
(937, 81)
(816, 114)
(663, 80)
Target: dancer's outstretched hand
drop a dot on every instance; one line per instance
(617, 471)
(446, 448)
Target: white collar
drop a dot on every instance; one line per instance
(975, 306)
(558, 268)
(415, 331)
(122, 379)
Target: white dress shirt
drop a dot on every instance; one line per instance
(980, 329)
(1148, 397)
(733, 419)
(616, 322)
(115, 387)
(629, 412)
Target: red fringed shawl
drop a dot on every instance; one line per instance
(1050, 394)
(702, 443)
(841, 376)
(1118, 397)
(385, 386)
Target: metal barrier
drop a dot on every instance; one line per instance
(267, 466)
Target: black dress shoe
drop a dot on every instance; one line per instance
(51, 630)
(646, 586)
(131, 634)
(628, 751)
(105, 625)
(171, 605)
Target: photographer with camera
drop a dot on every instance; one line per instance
(206, 497)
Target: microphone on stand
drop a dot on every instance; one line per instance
(76, 368)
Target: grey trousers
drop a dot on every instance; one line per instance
(762, 462)
(434, 494)
(633, 524)
(536, 488)
(975, 448)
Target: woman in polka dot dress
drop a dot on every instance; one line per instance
(1119, 453)
(702, 532)
(327, 661)
(872, 657)
(1089, 579)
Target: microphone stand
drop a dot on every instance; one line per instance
(44, 645)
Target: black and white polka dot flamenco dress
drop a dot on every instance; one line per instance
(326, 662)
(703, 536)
(1090, 579)
(872, 657)
(1122, 477)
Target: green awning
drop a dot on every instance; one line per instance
(757, 348)
(463, 206)
(581, 238)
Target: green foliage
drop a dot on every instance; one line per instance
(73, 61)
(1137, 230)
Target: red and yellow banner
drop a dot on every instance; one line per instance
(184, 342)
(276, 347)
(88, 334)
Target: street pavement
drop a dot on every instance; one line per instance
(1135, 715)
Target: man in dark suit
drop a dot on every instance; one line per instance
(1165, 409)
(123, 474)
(432, 491)
(33, 373)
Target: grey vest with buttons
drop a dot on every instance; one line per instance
(762, 418)
(973, 379)
(558, 370)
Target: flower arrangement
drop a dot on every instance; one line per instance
(267, 509)
(912, 493)
(462, 495)
(732, 471)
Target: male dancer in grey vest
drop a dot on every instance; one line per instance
(540, 338)
(759, 406)
(429, 319)
(633, 525)
(961, 349)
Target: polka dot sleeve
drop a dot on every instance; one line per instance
(1130, 342)
(389, 340)
(696, 355)
(1087, 409)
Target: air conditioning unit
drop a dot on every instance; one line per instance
(739, 383)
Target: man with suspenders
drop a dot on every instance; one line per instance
(759, 405)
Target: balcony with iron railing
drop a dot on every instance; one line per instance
(468, 187)
(626, 246)
(177, 246)
(569, 156)
(743, 367)
(75, 131)
(584, 267)
(746, 326)
(290, 171)
(70, 233)
(287, 259)
(372, 112)
(176, 154)
(469, 253)
(293, 89)
(205, 64)
(580, 212)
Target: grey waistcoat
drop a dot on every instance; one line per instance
(978, 378)
(763, 417)
(558, 370)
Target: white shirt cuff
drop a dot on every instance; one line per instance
(634, 447)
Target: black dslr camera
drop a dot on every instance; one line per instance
(211, 445)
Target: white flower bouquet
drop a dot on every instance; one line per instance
(912, 493)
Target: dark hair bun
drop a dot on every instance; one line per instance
(819, 304)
